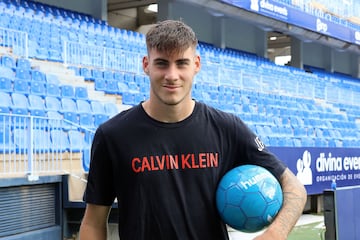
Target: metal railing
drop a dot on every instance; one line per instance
(81, 54)
(15, 41)
(37, 145)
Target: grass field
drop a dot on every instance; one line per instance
(313, 231)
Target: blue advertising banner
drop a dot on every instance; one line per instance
(282, 12)
(317, 167)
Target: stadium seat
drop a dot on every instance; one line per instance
(71, 120)
(100, 84)
(86, 73)
(83, 106)
(68, 105)
(111, 87)
(36, 103)
(21, 86)
(54, 119)
(97, 73)
(8, 61)
(111, 109)
(6, 72)
(38, 76)
(23, 63)
(37, 88)
(122, 88)
(59, 140)
(23, 74)
(6, 85)
(108, 75)
(99, 119)
(81, 93)
(97, 107)
(76, 141)
(86, 120)
(53, 89)
(20, 104)
(67, 91)
(52, 104)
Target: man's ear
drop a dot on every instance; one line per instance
(145, 65)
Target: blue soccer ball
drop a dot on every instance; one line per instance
(248, 198)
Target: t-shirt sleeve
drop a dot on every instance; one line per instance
(255, 152)
(99, 189)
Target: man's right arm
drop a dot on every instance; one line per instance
(94, 223)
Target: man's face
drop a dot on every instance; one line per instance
(171, 76)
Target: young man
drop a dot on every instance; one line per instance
(163, 158)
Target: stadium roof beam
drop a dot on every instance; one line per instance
(116, 5)
(270, 23)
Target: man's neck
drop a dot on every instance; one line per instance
(169, 113)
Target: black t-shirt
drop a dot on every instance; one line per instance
(165, 175)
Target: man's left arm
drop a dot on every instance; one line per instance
(294, 195)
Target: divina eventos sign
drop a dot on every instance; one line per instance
(317, 167)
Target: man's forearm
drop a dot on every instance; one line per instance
(293, 206)
(88, 232)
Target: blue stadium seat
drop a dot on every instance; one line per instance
(81, 93)
(6, 72)
(23, 63)
(20, 104)
(111, 87)
(53, 89)
(23, 74)
(86, 73)
(59, 140)
(68, 105)
(8, 61)
(37, 88)
(67, 91)
(36, 102)
(55, 119)
(108, 75)
(96, 73)
(100, 118)
(122, 88)
(111, 109)
(119, 76)
(128, 98)
(83, 106)
(52, 104)
(100, 84)
(21, 86)
(70, 118)
(76, 140)
(6, 84)
(86, 120)
(97, 107)
(5, 100)
(38, 76)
